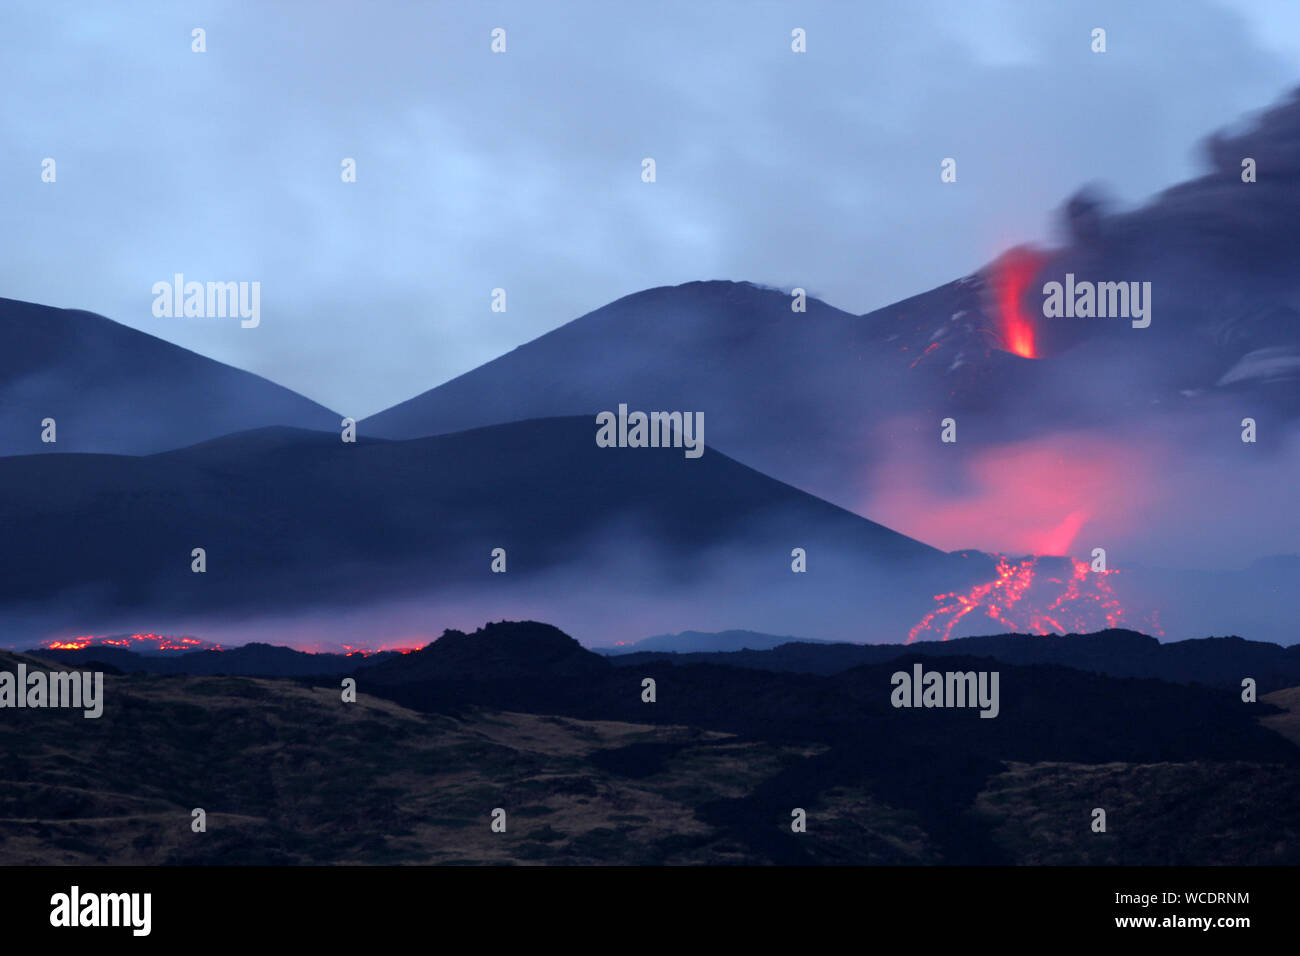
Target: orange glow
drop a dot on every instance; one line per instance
(928, 349)
(1059, 539)
(368, 651)
(1024, 600)
(155, 643)
(1036, 496)
(1012, 274)
(148, 642)
(73, 645)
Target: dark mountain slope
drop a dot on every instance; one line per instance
(293, 520)
(116, 390)
(1219, 661)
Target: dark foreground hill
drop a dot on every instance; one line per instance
(944, 768)
(505, 651)
(112, 389)
(1218, 661)
(520, 718)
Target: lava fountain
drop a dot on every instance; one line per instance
(1010, 279)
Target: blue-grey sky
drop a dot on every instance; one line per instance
(522, 170)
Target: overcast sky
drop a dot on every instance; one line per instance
(522, 170)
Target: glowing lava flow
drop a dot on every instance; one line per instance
(369, 651)
(1025, 599)
(1012, 275)
(147, 642)
(161, 643)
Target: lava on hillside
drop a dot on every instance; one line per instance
(140, 643)
(1034, 595)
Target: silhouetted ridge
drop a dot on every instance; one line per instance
(504, 650)
(1116, 652)
(250, 660)
(708, 642)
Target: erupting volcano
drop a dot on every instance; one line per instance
(1010, 279)
(1034, 595)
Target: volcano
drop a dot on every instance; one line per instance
(1069, 434)
(1066, 426)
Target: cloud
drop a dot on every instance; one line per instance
(522, 170)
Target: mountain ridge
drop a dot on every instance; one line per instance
(93, 376)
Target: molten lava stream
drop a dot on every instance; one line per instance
(1011, 278)
(1025, 597)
